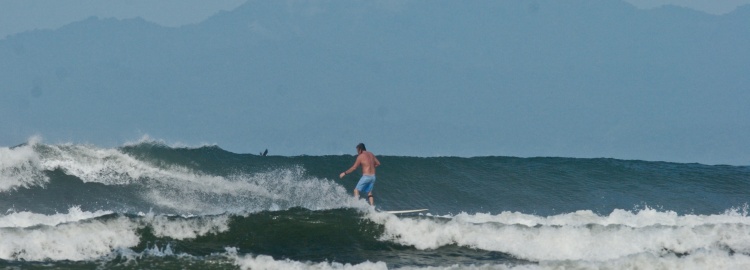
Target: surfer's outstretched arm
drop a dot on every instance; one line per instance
(352, 169)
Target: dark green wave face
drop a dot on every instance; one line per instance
(495, 184)
(297, 234)
(342, 235)
(152, 206)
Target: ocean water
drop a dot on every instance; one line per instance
(152, 206)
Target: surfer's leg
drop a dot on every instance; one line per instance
(361, 185)
(372, 199)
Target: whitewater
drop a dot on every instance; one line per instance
(150, 205)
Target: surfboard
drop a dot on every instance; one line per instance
(406, 211)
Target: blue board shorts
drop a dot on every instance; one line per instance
(366, 183)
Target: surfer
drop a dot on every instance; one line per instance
(368, 161)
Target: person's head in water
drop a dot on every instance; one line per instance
(361, 148)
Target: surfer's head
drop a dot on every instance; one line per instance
(361, 148)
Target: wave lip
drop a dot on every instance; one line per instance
(28, 219)
(84, 240)
(637, 219)
(20, 166)
(161, 183)
(268, 262)
(568, 237)
(85, 236)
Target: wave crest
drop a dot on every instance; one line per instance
(574, 236)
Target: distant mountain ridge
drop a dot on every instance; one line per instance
(584, 78)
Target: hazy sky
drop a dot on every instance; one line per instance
(23, 15)
(279, 75)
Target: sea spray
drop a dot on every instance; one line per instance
(574, 236)
(149, 205)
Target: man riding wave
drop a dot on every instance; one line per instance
(368, 161)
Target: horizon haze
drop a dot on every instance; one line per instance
(582, 79)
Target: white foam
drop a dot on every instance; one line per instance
(186, 228)
(27, 219)
(20, 167)
(103, 165)
(576, 236)
(170, 186)
(80, 235)
(638, 219)
(275, 190)
(84, 240)
(699, 260)
(262, 262)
